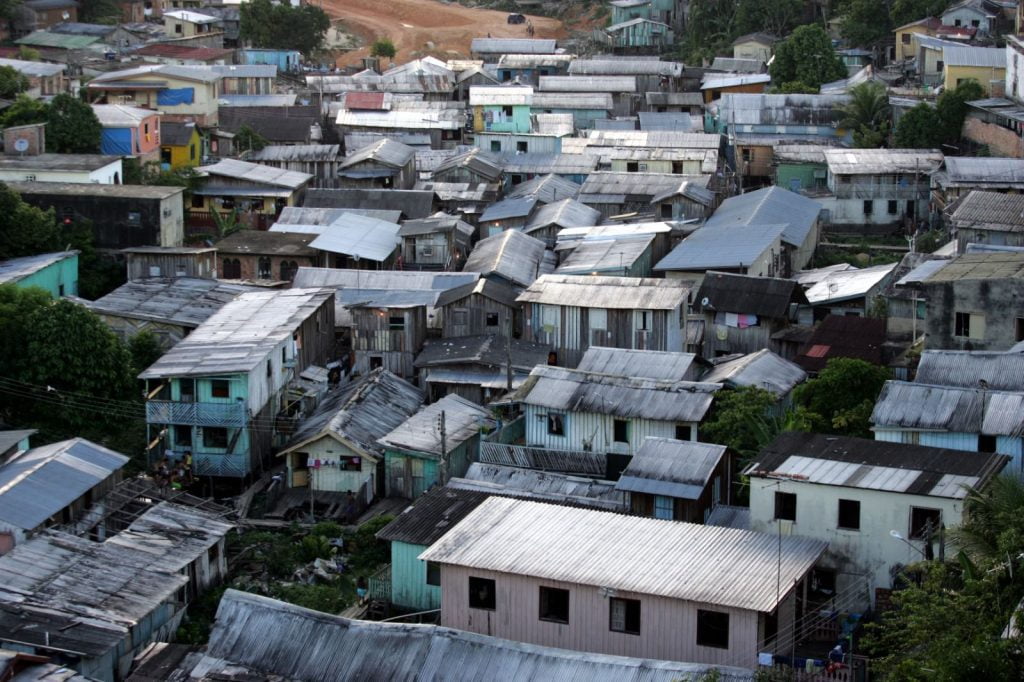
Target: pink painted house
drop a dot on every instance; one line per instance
(129, 131)
(608, 583)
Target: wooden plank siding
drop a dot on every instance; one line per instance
(667, 626)
(597, 430)
(374, 340)
(477, 308)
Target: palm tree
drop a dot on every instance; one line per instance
(993, 521)
(867, 114)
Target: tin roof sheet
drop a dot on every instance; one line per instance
(359, 236)
(257, 173)
(420, 432)
(648, 364)
(590, 291)
(17, 269)
(968, 369)
(674, 468)
(724, 246)
(512, 254)
(848, 284)
(186, 301)
(762, 369)
(770, 206)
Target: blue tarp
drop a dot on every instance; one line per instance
(172, 96)
(117, 141)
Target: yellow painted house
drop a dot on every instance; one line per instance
(987, 65)
(905, 47)
(180, 146)
(180, 93)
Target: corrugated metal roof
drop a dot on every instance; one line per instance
(808, 278)
(590, 291)
(564, 213)
(438, 223)
(922, 272)
(553, 124)
(41, 481)
(800, 153)
(421, 434)
(990, 210)
(547, 188)
(763, 369)
(762, 296)
(609, 84)
(512, 207)
(239, 336)
(848, 284)
(917, 406)
(541, 485)
(654, 139)
(257, 173)
(360, 237)
(983, 57)
(225, 100)
(624, 67)
(676, 99)
(666, 120)
(740, 109)
(513, 46)
(17, 269)
(984, 171)
(540, 164)
(713, 81)
(842, 336)
(34, 69)
(412, 203)
(120, 115)
(596, 101)
(993, 265)
(610, 256)
(532, 61)
(887, 161)
(474, 160)
(770, 206)
(968, 369)
(558, 388)
(297, 152)
(591, 464)
(701, 564)
(873, 465)
(314, 645)
(316, 220)
(674, 468)
(724, 246)
(437, 119)
(728, 516)
(514, 255)
(609, 185)
(186, 301)
(737, 65)
(485, 350)
(648, 364)
(500, 95)
(382, 279)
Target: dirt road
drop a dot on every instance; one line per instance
(421, 27)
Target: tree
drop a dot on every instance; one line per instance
(383, 47)
(28, 54)
(734, 419)
(865, 22)
(72, 126)
(806, 56)
(282, 26)
(99, 12)
(905, 11)
(842, 396)
(16, 305)
(25, 230)
(919, 128)
(993, 521)
(145, 349)
(25, 110)
(952, 108)
(776, 17)
(247, 139)
(710, 27)
(867, 114)
(11, 83)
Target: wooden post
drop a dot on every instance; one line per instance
(444, 450)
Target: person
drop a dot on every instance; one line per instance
(361, 589)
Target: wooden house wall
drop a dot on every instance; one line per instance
(409, 588)
(477, 308)
(441, 253)
(332, 478)
(720, 339)
(667, 627)
(410, 474)
(144, 265)
(692, 511)
(493, 227)
(596, 430)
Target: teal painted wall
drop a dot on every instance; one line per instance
(459, 459)
(496, 121)
(409, 586)
(238, 388)
(60, 278)
(797, 176)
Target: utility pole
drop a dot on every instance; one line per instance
(312, 495)
(508, 356)
(444, 449)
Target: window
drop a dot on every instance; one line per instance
(177, 28)
(1018, 329)
(712, 629)
(940, 65)
(192, 156)
(60, 289)
(684, 432)
(624, 615)
(554, 604)
(492, 320)
(396, 322)
(350, 464)
(976, 23)
(433, 573)
(632, 166)
(197, 201)
(666, 211)
(893, 207)
(785, 506)
(232, 268)
(182, 435)
(265, 271)
(220, 388)
(620, 428)
(905, 38)
(663, 507)
(969, 325)
(556, 425)
(481, 593)
(745, 154)
(643, 320)
(376, 361)
(849, 514)
(215, 437)
(187, 389)
(521, 147)
(269, 368)
(869, 207)
(506, 111)
(924, 521)
(460, 316)
(986, 443)
(288, 270)
(495, 145)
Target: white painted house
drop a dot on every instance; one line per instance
(878, 505)
(608, 583)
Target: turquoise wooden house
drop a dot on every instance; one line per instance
(415, 583)
(664, 11)
(284, 60)
(437, 443)
(640, 34)
(501, 108)
(800, 167)
(57, 273)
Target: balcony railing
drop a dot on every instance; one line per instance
(214, 464)
(231, 415)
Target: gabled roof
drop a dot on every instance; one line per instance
(17, 269)
(547, 188)
(564, 213)
(990, 210)
(176, 134)
(432, 515)
(724, 246)
(648, 364)
(475, 161)
(120, 115)
(611, 256)
(257, 173)
(420, 433)
(770, 206)
(511, 254)
(924, 407)
(283, 125)
(874, 465)
(359, 236)
(889, 161)
(186, 301)
(436, 224)
(488, 288)
(589, 291)
(510, 207)
(543, 486)
(386, 152)
(983, 171)
(762, 296)
(360, 413)
(842, 336)
(762, 369)
(757, 37)
(673, 468)
(297, 152)
(668, 559)
(845, 285)
(972, 369)
(490, 350)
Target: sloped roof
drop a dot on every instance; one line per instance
(564, 213)
(724, 246)
(513, 46)
(763, 369)
(872, 161)
(386, 151)
(17, 269)
(924, 407)
(761, 296)
(514, 255)
(420, 433)
(544, 486)
(842, 336)
(990, 210)
(968, 369)
(844, 285)
(359, 236)
(770, 206)
(187, 301)
(674, 468)
(547, 188)
(648, 364)
(491, 350)
(607, 292)
(257, 173)
(412, 203)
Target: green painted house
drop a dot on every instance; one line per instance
(501, 108)
(57, 273)
(432, 446)
(416, 584)
(800, 167)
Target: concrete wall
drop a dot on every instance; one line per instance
(995, 301)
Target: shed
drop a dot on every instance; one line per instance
(550, 219)
(477, 367)
(511, 256)
(761, 369)
(676, 479)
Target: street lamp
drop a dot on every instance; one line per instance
(896, 534)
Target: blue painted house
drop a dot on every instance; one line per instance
(217, 393)
(501, 108)
(787, 117)
(57, 273)
(284, 60)
(417, 459)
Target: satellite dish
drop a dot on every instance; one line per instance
(65, 16)
(21, 145)
(705, 301)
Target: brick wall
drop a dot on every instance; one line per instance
(1001, 141)
(249, 265)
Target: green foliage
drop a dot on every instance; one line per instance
(28, 54)
(326, 598)
(710, 28)
(145, 349)
(195, 628)
(906, 11)
(99, 12)
(72, 126)
(25, 230)
(247, 139)
(16, 305)
(98, 273)
(383, 47)
(736, 417)
(919, 128)
(25, 110)
(865, 22)
(777, 17)
(11, 82)
(842, 396)
(795, 88)
(952, 108)
(806, 56)
(281, 26)
(867, 115)
(367, 551)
